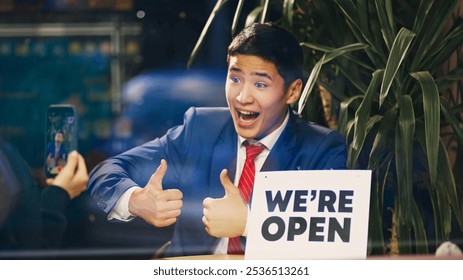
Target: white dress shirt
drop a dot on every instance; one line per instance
(268, 141)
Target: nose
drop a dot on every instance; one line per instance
(245, 95)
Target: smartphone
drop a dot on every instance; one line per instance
(60, 137)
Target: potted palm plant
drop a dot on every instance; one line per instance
(382, 62)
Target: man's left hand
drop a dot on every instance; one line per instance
(226, 216)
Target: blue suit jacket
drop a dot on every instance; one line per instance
(196, 152)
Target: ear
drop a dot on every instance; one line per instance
(294, 91)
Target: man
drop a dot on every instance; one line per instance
(56, 154)
(200, 162)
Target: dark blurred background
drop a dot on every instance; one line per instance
(84, 52)
(122, 64)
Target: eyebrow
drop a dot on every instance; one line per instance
(265, 75)
(260, 74)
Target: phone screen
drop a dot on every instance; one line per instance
(60, 137)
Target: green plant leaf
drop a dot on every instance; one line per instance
(435, 190)
(458, 108)
(317, 68)
(362, 116)
(310, 84)
(218, 6)
(362, 16)
(383, 170)
(386, 19)
(445, 49)
(436, 20)
(347, 70)
(421, 15)
(349, 10)
(264, 11)
(446, 82)
(419, 231)
(431, 109)
(445, 172)
(337, 93)
(383, 139)
(452, 119)
(343, 125)
(254, 16)
(236, 17)
(445, 211)
(353, 152)
(332, 53)
(403, 228)
(288, 13)
(398, 52)
(349, 127)
(346, 49)
(354, 77)
(336, 51)
(375, 225)
(404, 156)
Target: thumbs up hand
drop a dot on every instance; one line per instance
(226, 216)
(156, 206)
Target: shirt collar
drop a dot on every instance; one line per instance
(269, 140)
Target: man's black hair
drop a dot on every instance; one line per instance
(273, 44)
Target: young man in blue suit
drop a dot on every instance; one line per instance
(188, 177)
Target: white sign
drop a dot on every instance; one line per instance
(316, 214)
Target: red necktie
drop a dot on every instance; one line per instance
(245, 185)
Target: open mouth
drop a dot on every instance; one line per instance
(246, 116)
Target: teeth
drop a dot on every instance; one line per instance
(246, 113)
(247, 116)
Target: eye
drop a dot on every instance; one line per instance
(261, 85)
(235, 80)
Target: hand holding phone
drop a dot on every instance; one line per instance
(60, 137)
(73, 177)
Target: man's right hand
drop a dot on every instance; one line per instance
(153, 204)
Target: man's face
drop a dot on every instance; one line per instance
(256, 96)
(59, 138)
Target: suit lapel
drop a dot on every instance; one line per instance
(224, 154)
(283, 152)
(223, 157)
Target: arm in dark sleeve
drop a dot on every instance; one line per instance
(54, 201)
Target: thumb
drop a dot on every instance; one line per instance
(81, 166)
(66, 174)
(156, 179)
(228, 186)
(72, 162)
(50, 181)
